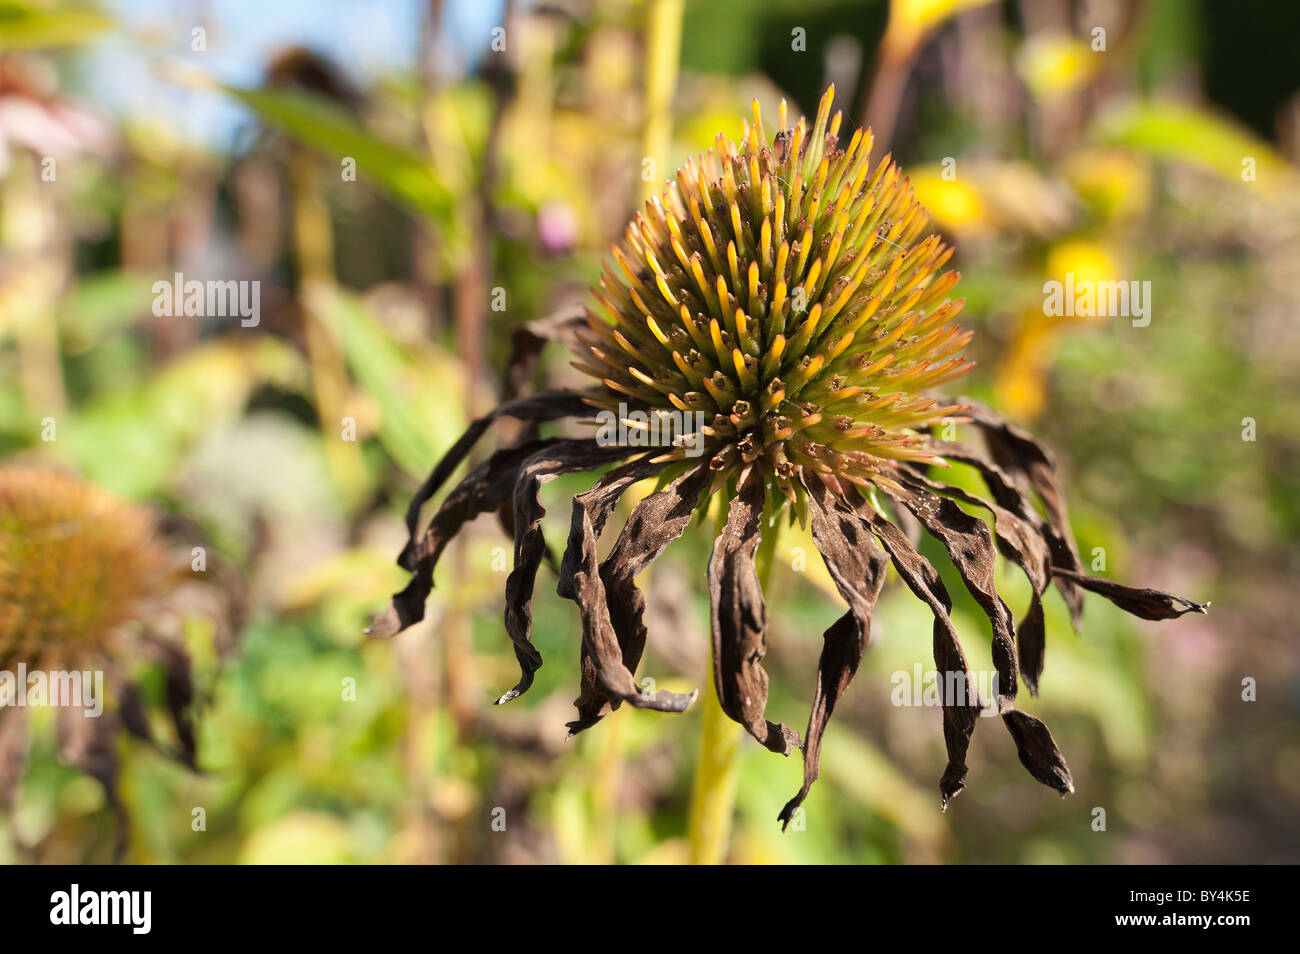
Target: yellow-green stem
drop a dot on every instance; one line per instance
(713, 792)
(663, 50)
(313, 241)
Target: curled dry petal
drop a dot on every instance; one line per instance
(538, 469)
(131, 709)
(1024, 545)
(857, 565)
(1029, 464)
(484, 489)
(1038, 751)
(527, 342)
(179, 693)
(969, 544)
(1148, 604)
(655, 522)
(530, 547)
(958, 694)
(548, 406)
(607, 662)
(740, 621)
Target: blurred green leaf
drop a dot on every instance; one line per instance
(100, 305)
(1181, 133)
(396, 169)
(31, 26)
(417, 420)
(132, 442)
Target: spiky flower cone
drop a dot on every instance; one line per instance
(76, 566)
(783, 290)
(85, 581)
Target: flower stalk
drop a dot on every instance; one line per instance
(713, 792)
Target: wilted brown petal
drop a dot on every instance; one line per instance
(179, 693)
(960, 710)
(655, 522)
(857, 565)
(970, 545)
(596, 506)
(1148, 604)
(739, 619)
(1020, 542)
(607, 679)
(1028, 463)
(600, 502)
(527, 342)
(130, 707)
(1032, 635)
(547, 406)
(1031, 643)
(485, 488)
(530, 545)
(1037, 750)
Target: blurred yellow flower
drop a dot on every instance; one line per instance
(1053, 65)
(955, 204)
(911, 20)
(1113, 183)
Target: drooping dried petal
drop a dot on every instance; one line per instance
(958, 694)
(548, 406)
(1028, 463)
(1146, 603)
(969, 543)
(655, 522)
(1031, 642)
(131, 709)
(179, 693)
(526, 344)
(530, 545)
(1032, 634)
(485, 488)
(740, 620)
(1022, 543)
(600, 502)
(1062, 567)
(1038, 750)
(857, 565)
(607, 678)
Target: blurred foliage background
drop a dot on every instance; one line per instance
(213, 139)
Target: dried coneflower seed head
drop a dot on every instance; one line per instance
(782, 289)
(782, 295)
(76, 566)
(88, 582)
